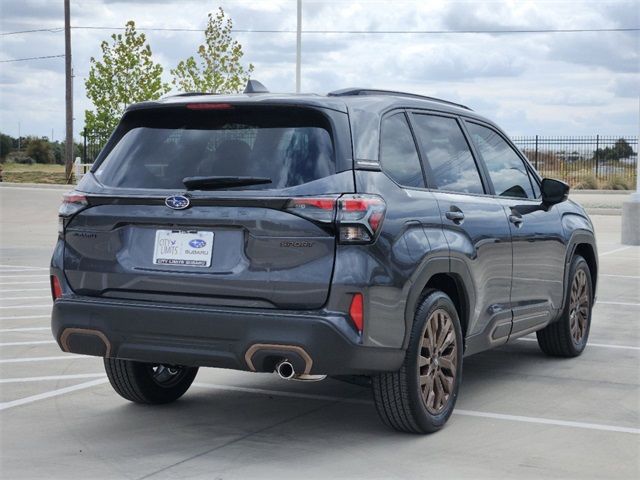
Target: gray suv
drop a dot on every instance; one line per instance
(364, 234)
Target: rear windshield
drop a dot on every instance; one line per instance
(159, 148)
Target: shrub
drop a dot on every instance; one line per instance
(617, 183)
(588, 182)
(40, 150)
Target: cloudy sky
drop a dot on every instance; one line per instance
(535, 83)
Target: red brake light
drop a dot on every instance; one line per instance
(209, 106)
(56, 289)
(356, 311)
(319, 209)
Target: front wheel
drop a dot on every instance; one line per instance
(567, 337)
(148, 382)
(420, 397)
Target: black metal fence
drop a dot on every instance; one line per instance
(596, 162)
(92, 144)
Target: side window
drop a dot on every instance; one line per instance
(506, 169)
(398, 154)
(451, 164)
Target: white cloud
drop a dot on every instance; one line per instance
(560, 83)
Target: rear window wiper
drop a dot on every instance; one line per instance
(220, 182)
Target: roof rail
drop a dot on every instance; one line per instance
(373, 91)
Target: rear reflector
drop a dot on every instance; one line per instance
(209, 106)
(356, 312)
(56, 289)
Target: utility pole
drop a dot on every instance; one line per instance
(298, 45)
(68, 153)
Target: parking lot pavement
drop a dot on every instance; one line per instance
(519, 414)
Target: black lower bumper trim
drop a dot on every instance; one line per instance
(216, 337)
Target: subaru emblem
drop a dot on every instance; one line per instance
(177, 202)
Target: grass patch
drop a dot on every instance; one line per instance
(37, 173)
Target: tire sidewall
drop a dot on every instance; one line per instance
(426, 420)
(578, 263)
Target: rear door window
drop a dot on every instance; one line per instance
(507, 171)
(159, 148)
(450, 163)
(398, 153)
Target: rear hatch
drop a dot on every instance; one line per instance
(253, 228)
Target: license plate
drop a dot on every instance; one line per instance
(183, 247)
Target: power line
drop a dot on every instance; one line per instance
(351, 32)
(31, 58)
(50, 30)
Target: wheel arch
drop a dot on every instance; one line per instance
(581, 243)
(438, 274)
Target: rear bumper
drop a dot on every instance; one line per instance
(317, 342)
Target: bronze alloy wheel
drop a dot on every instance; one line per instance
(438, 361)
(579, 307)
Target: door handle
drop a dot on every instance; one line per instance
(455, 215)
(516, 220)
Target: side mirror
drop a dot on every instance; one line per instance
(553, 191)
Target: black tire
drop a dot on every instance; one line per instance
(148, 383)
(398, 396)
(559, 339)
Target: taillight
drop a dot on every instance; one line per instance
(356, 311)
(56, 289)
(72, 202)
(359, 218)
(319, 209)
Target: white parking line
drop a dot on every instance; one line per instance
(613, 251)
(589, 344)
(26, 298)
(20, 317)
(26, 267)
(468, 413)
(625, 304)
(40, 275)
(52, 393)
(25, 306)
(52, 377)
(25, 329)
(45, 359)
(618, 276)
(20, 344)
(41, 289)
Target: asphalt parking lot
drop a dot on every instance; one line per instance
(520, 414)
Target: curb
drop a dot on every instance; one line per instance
(51, 186)
(603, 211)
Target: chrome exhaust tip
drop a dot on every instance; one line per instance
(285, 370)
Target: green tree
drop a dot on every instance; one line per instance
(219, 68)
(6, 145)
(622, 149)
(125, 75)
(39, 149)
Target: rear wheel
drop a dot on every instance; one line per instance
(420, 397)
(568, 336)
(148, 382)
